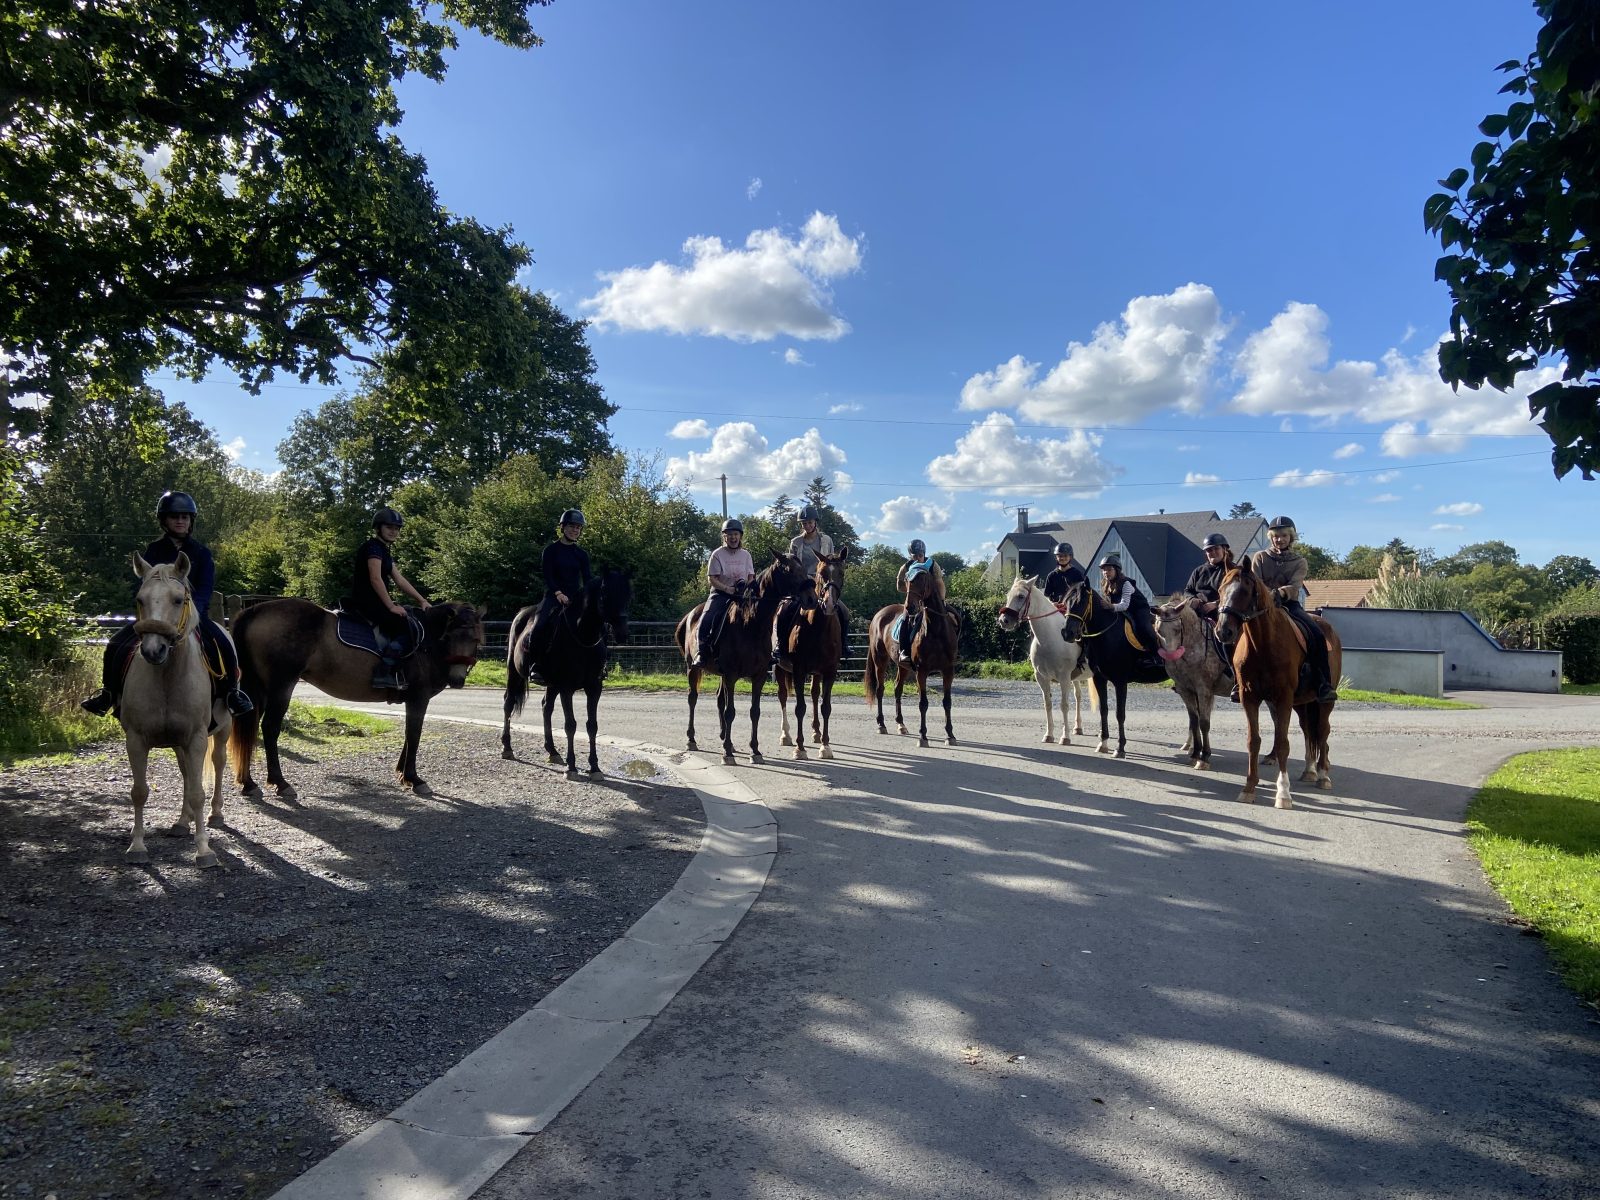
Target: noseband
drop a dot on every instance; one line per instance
(1018, 615)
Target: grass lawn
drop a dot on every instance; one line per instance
(1401, 699)
(1580, 689)
(1536, 829)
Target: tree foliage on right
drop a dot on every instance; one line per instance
(1518, 229)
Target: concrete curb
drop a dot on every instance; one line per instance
(445, 1142)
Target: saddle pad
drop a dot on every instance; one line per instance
(358, 633)
(894, 627)
(1127, 630)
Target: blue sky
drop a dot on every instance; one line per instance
(1094, 260)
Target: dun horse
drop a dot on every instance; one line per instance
(1197, 671)
(167, 700)
(816, 642)
(1093, 622)
(1056, 661)
(744, 651)
(933, 649)
(576, 658)
(284, 641)
(1267, 659)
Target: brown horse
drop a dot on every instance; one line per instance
(1197, 673)
(744, 651)
(933, 649)
(816, 642)
(281, 642)
(1267, 655)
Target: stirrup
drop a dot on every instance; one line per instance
(239, 703)
(99, 704)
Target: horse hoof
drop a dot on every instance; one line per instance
(253, 792)
(1308, 776)
(800, 754)
(1065, 740)
(1050, 738)
(883, 729)
(729, 760)
(418, 788)
(1325, 784)
(1202, 765)
(1284, 802)
(1102, 749)
(285, 792)
(596, 773)
(507, 753)
(216, 822)
(554, 759)
(572, 772)
(922, 741)
(1121, 753)
(206, 861)
(827, 753)
(136, 857)
(949, 741)
(691, 745)
(786, 740)
(755, 757)
(177, 829)
(1247, 797)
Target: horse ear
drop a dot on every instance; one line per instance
(482, 610)
(181, 565)
(140, 567)
(1244, 565)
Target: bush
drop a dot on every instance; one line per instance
(1578, 639)
(983, 639)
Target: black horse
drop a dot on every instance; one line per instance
(1101, 630)
(576, 658)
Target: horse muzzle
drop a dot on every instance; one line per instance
(1007, 619)
(1171, 655)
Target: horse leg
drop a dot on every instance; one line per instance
(878, 683)
(548, 707)
(725, 703)
(922, 705)
(1105, 717)
(799, 716)
(184, 823)
(505, 730)
(1191, 743)
(571, 722)
(1281, 713)
(1046, 686)
(219, 761)
(1122, 717)
(139, 761)
(591, 691)
(1324, 728)
(1252, 724)
(694, 696)
(406, 768)
(192, 759)
(756, 684)
(949, 729)
(816, 709)
(899, 687)
(826, 707)
(781, 678)
(272, 725)
(1306, 714)
(1202, 750)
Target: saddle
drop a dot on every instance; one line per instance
(355, 631)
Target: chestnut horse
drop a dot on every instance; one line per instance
(284, 641)
(575, 658)
(934, 648)
(816, 643)
(744, 650)
(1267, 655)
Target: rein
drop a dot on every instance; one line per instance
(1019, 615)
(1083, 620)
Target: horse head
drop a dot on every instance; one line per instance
(1018, 603)
(1171, 629)
(1241, 598)
(829, 579)
(615, 596)
(457, 632)
(165, 607)
(1078, 607)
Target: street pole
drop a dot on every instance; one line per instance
(724, 479)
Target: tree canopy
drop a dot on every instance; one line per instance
(1524, 274)
(202, 182)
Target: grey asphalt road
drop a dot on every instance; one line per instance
(1011, 969)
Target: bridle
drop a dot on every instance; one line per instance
(1019, 615)
(152, 626)
(456, 660)
(1083, 619)
(1242, 617)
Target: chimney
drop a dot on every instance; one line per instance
(1022, 520)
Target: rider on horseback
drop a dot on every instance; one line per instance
(1123, 597)
(566, 572)
(808, 546)
(1067, 575)
(909, 570)
(176, 512)
(1283, 570)
(372, 574)
(729, 566)
(1204, 592)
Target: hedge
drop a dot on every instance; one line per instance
(1578, 639)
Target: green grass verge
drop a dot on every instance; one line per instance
(1536, 829)
(1580, 689)
(493, 675)
(1401, 699)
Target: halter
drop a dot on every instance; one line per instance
(1017, 614)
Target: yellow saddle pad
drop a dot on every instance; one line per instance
(1127, 631)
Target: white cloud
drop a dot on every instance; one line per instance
(690, 429)
(1158, 356)
(774, 286)
(1286, 426)
(1383, 498)
(1463, 508)
(794, 358)
(979, 555)
(836, 409)
(993, 454)
(754, 188)
(1384, 476)
(1200, 479)
(1296, 478)
(1446, 527)
(905, 513)
(1349, 450)
(1284, 369)
(754, 468)
(1187, 449)
(234, 449)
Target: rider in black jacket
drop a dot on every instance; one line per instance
(566, 571)
(1067, 574)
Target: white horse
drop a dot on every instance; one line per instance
(167, 701)
(1055, 660)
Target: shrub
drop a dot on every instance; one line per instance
(1578, 639)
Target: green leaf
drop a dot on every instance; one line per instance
(1482, 155)
(1493, 125)
(1455, 179)
(1435, 210)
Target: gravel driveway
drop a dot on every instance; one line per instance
(168, 1033)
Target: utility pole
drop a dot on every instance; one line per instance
(724, 479)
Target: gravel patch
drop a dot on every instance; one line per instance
(171, 1033)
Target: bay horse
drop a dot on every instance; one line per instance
(284, 641)
(816, 643)
(744, 651)
(1055, 661)
(934, 648)
(168, 701)
(1267, 656)
(1198, 673)
(1092, 622)
(575, 658)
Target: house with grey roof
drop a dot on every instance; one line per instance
(1159, 551)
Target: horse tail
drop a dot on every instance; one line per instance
(516, 674)
(242, 743)
(869, 677)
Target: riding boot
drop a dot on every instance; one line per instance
(238, 703)
(386, 675)
(99, 704)
(1326, 692)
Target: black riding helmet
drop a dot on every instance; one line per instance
(917, 547)
(733, 525)
(1281, 523)
(387, 516)
(1215, 539)
(176, 504)
(1111, 560)
(1063, 548)
(571, 516)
